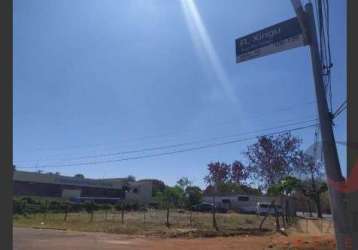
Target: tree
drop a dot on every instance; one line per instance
(193, 196)
(313, 170)
(272, 158)
(286, 187)
(168, 198)
(90, 207)
(121, 206)
(239, 172)
(79, 176)
(184, 182)
(106, 208)
(219, 174)
(158, 186)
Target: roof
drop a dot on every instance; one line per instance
(64, 180)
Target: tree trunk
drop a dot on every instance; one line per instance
(167, 223)
(283, 212)
(191, 217)
(318, 205)
(309, 207)
(92, 215)
(277, 219)
(266, 215)
(283, 220)
(66, 212)
(287, 211)
(214, 215)
(122, 214)
(46, 209)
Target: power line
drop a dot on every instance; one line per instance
(180, 144)
(340, 109)
(175, 151)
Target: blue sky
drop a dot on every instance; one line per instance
(101, 77)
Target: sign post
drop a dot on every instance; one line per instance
(338, 198)
(295, 32)
(279, 37)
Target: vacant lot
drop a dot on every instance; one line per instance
(43, 239)
(148, 231)
(150, 223)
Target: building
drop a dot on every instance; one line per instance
(55, 185)
(248, 203)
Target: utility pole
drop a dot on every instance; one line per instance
(338, 200)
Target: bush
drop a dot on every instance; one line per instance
(28, 205)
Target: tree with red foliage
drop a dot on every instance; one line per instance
(239, 173)
(272, 158)
(219, 173)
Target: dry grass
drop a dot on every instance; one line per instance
(150, 223)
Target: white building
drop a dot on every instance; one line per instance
(245, 203)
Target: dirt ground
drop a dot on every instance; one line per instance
(41, 239)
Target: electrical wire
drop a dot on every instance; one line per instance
(143, 150)
(340, 109)
(175, 151)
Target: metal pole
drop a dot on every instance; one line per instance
(337, 199)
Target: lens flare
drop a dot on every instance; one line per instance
(204, 46)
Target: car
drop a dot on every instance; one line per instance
(208, 207)
(264, 208)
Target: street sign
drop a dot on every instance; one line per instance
(279, 37)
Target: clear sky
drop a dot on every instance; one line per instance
(97, 77)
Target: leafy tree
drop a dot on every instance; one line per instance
(219, 174)
(286, 187)
(228, 178)
(193, 196)
(184, 182)
(170, 197)
(90, 208)
(106, 208)
(158, 186)
(121, 206)
(311, 188)
(239, 172)
(272, 158)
